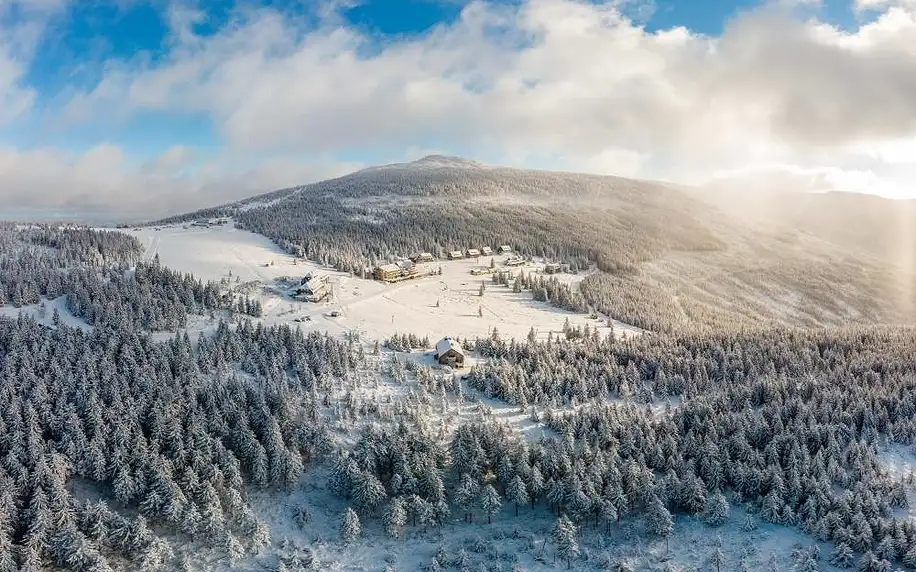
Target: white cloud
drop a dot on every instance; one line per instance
(104, 182)
(18, 39)
(574, 81)
(584, 78)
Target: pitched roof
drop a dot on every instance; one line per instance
(446, 344)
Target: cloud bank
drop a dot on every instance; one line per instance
(780, 95)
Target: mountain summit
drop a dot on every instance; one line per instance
(446, 161)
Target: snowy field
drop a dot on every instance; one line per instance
(43, 313)
(433, 306)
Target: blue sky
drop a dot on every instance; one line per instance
(173, 103)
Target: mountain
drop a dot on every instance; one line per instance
(666, 258)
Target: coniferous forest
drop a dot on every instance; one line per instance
(121, 450)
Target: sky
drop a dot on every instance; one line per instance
(148, 107)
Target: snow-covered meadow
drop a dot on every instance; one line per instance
(434, 306)
(43, 313)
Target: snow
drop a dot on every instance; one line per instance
(900, 463)
(437, 306)
(510, 542)
(43, 313)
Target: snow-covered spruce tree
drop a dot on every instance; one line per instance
(717, 558)
(395, 517)
(716, 510)
(517, 493)
(564, 540)
(466, 495)
(490, 502)
(659, 520)
(349, 526)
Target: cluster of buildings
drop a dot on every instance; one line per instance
(555, 268)
(408, 268)
(475, 252)
(206, 223)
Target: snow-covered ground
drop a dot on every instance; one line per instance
(305, 521)
(518, 543)
(43, 313)
(436, 306)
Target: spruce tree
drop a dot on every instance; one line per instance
(517, 493)
(659, 520)
(716, 510)
(349, 526)
(489, 502)
(564, 539)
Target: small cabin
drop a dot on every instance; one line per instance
(515, 261)
(455, 255)
(505, 249)
(486, 251)
(473, 253)
(387, 272)
(553, 268)
(449, 352)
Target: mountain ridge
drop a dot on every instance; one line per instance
(668, 259)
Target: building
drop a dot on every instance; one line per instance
(455, 255)
(408, 268)
(422, 257)
(486, 251)
(473, 253)
(505, 249)
(396, 271)
(313, 289)
(552, 268)
(449, 352)
(515, 261)
(388, 272)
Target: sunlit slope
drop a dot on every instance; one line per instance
(669, 258)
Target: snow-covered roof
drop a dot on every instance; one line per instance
(389, 268)
(446, 344)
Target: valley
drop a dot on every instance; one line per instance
(653, 387)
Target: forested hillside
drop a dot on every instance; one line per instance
(669, 259)
(264, 447)
(103, 276)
